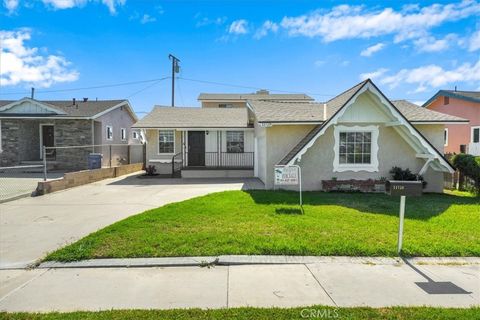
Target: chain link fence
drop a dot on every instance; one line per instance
(22, 180)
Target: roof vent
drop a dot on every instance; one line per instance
(262, 91)
(74, 101)
(85, 99)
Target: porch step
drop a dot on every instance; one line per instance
(217, 173)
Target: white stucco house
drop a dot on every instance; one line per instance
(359, 134)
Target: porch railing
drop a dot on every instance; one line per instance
(243, 160)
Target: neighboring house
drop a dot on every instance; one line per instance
(359, 134)
(465, 104)
(26, 125)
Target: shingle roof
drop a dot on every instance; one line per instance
(282, 111)
(472, 96)
(254, 96)
(415, 113)
(80, 109)
(183, 117)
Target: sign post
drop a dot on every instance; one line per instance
(289, 175)
(403, 189)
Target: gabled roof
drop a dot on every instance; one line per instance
(340, 103)
(253, 96)
(415, 113)
(472, 96)
(66, 109)
(194, 117)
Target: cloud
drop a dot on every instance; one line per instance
(268, 26)
(431, 44)
(11, 5)
(23, 65)
(374, 74)
(372, 49)
(319, 63)
(147, 19)
(474, 41)
(206, 21)
(434, 76)
(349, 22)
(238, 27)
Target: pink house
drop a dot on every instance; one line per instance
(464, 104)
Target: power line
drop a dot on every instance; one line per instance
(92, 87)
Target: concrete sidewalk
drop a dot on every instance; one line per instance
(336, 283)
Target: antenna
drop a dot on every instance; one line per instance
(175, 69)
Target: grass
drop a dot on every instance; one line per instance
(267, 222)
(314, 312)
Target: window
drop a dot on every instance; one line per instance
(123, 133)
(109, 133)
(134, 135)
(356, 148)
(166, 141)
(225, 105)
(445, 137)
(235, 141)
(475, 134)
(446, 100)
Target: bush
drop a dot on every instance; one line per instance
(150, 170)
(469, 166)
(406, 175)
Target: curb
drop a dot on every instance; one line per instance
(210, 261)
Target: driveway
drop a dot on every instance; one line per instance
(14, 184)
(32, 227)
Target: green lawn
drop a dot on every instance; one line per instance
(421, 313)
(267, 222)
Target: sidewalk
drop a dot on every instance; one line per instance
(334, 281)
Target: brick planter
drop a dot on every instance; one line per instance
(369, 185)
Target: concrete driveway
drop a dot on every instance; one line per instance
(32, 227)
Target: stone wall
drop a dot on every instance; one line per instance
(20, 141)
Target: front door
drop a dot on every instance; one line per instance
(196, 148)
(48, 140)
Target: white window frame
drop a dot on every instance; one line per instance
(471, 134)
(445, 137)
(106, 133)
(234, 132)
(226, 105)
(123, 134)
(158, 144)
(135, 135)
(342, 167)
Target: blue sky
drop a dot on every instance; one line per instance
(411, 50)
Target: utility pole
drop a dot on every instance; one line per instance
(175, 69)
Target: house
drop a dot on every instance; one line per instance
(359, 134)
(26, 125)
(465, 104)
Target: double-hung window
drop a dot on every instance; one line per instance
(123, 133)
(356, 148)
(166, 141)
(235, 141)
(475, 134)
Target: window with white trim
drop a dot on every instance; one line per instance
(356, 148)
(475, 134)
(109, 133)
(235, 141)
(166, 141)
(225, 105)
(134, 135)
(445, 137)
(123, 133)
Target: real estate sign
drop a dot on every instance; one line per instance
(286, 175)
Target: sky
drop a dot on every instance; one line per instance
(116, 49)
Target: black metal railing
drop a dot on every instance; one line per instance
(242, 160)
(177, 164)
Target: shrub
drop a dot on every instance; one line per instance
(150, 170)
(406, 175)
(470, 167)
